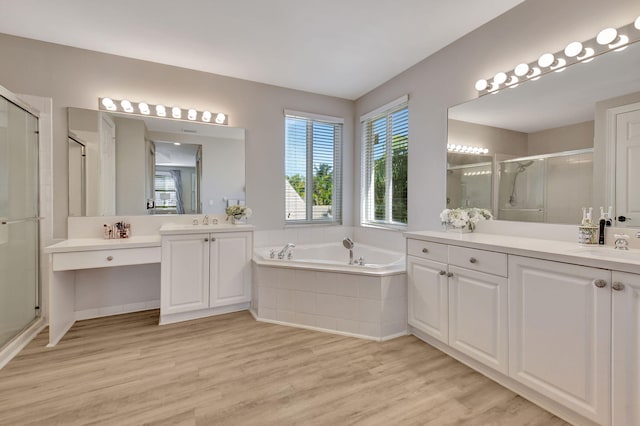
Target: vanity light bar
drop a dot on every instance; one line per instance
(177, 113)
(609, 39)
(463, 149)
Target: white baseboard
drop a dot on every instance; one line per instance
(202, 313)
(116, 310)
(18, 343)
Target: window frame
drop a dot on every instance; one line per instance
(337, 181)
(367, 209)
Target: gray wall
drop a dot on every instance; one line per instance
(131, 178)
(76, 78)
(447, 78)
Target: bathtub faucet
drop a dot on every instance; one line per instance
(348, 244)
(282, 253)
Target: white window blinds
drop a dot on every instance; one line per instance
(313, 168)
(385, 149)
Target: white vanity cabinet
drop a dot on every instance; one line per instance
(560, 331)
(459, 296)
(205, 274)
(625, 350)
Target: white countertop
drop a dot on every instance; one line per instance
(172, 229)
(88, 244)
(604, 257)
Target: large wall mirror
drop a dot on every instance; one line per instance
(122, 164)
(568, 140)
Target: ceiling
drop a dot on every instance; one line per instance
(334, 47)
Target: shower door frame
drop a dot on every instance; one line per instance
(12, 98)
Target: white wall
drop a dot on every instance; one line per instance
(76, 78)
(447, 78)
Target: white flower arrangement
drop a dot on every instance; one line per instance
(238, 212)
(464, 218)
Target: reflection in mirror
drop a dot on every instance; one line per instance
(469, 180)
(137, 165)
(554, 143)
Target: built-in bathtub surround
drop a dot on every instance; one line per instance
(321, 291)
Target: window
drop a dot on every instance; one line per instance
(385, 149)
(165, 192)
(313, 168)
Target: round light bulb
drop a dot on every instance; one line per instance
(481, 85)
(144, 108)
(573, 49)
(607, 36)
(485, 151)
(126, 106)
(521, 70)
(177, 143)
(161, 111)
(500, 78)
(192, 114)
(636, 24)
(546, 60)
(109, 104)
(206, 116)
(176, 112)
(220, 117)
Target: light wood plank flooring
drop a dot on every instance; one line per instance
(232, 370)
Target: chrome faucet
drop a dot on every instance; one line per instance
(348, 244)
(205, 220)
(282, 253)
(621, 241)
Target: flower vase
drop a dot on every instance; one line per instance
(462, 230)
(237, 220)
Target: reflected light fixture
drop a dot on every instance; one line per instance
(463, 149)
(607, 40)
(143, 108)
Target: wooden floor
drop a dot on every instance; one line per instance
(232, 370)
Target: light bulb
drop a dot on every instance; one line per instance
(588, 53)
(546, 60)
(573, 49)
(109, 104)
(621, 44)
(606, 36)
(192, 114)
(176, 112)
(521, 70)
(144, 108)
(500, 78)
(481, 85)
(560, 65)
(220, 117)
(177, 143)
(513, 80)
(161, 111)
(126, 106)
(206, 116)
(485, 151)
(636, 24)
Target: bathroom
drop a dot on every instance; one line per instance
(54, 78)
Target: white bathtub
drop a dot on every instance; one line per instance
(334, 257)
(319, 290)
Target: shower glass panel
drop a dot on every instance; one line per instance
(18, 219)
(528, 186)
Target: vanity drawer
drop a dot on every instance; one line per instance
(478, 260)
(105, 258)
(427, 250)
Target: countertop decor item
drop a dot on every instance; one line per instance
(237, 213)
(464, 219)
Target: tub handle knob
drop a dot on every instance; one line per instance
(443, 272)
(425, 250)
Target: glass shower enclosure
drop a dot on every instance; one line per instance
(19, 226)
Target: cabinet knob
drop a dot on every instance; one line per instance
(617, 286)
(206, 240)
(213, 239)
(109, 258)
(443, 272)
(600, 283)
(473, 260)
(425, 250)
(450, 274)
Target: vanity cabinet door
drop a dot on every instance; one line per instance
(626, 349)
(230, 268)
(478, 316)
(428, 297)
(184, 273)
(560, 332)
